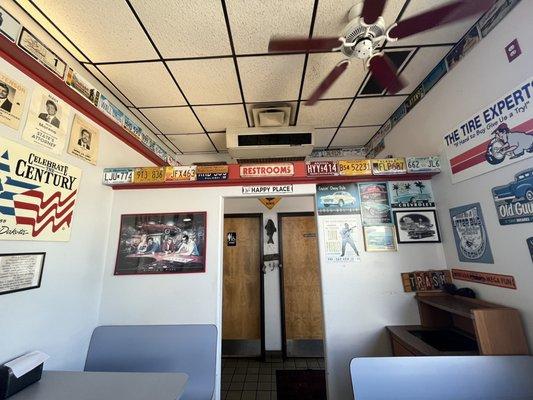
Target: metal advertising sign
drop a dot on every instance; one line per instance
(182, 173)
(375, 207)
(411, 194)
(355, 167)
(270, 202)
(505, 281)
(389, 166)
(496, 136)
(424, 281)
(212, 172)
(267, 189)
(117, 176)
(38, 194)
(420, 165)
(111, 110)
(322, 168)
(340, 198)
(514, 201)
(83, 87)
(470, 234)
(149, 175)
(266, 170)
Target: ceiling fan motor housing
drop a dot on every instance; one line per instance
(355, 32)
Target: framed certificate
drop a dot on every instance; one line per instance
(22, 271)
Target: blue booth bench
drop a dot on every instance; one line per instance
(191, 349)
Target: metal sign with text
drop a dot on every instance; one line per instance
(267, 189)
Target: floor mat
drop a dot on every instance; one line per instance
(301, 384)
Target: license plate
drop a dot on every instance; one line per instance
(355, 167)
(389, 166)
(423, 164)
(184, 173)
(118, 176)
(149, 175)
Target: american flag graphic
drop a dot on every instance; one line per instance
(28, 204)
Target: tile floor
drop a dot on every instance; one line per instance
(250, 379)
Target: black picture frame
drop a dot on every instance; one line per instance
(150, 244)
(416, 231)
(43, 254)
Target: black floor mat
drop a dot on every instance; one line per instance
(301, 384)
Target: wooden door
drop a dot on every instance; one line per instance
(301, 290)
(241, 312)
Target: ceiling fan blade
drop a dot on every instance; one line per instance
(302, 44)
(386, 74)
(446, 14)
(372, 10)
(326, 83)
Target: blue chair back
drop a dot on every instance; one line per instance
(443, 378)
(191, 349)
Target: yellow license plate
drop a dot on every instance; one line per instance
(388, 166)
(149, 175)
(355, 167)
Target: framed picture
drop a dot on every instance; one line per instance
(22, 271)
(418, 226)
(169, 243)
(379, 238)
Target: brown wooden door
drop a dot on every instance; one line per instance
(241, 312)
(302, 300)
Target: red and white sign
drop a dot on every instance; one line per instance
(266, 170)
(498, 135)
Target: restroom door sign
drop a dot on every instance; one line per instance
(232, 239)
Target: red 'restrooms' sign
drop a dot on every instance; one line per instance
(266, 170)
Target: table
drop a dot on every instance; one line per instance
(66, 385)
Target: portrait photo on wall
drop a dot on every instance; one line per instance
(417, 226)
(161, 243)
(84, 140)
(12, 99)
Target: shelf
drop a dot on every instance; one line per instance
(457, 305)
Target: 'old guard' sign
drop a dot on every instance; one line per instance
(266, 170)
(498, 135)
(37, 194)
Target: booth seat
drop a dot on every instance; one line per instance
(443, 378)
(190, 349)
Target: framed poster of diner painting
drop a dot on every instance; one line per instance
(418, 226)
(379, 238)
(170, 243)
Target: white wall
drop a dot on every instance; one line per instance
(483, 76)
(58, 318)
(271, 278)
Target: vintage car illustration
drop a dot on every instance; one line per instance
(338, 199)
(520, 188)
(413, 197)
(376, 209)
(417, 226)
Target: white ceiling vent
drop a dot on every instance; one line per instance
(271, 116)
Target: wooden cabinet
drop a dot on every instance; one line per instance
(453, 325)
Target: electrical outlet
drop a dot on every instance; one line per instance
(513, 50)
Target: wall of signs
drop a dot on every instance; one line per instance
(51, 137)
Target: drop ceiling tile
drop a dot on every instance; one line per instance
(208, 81)
(145, 84)
(144, 120)
(173, 120)
(332, 15)
(292, 105)
(349, 137)
(185, 28)
(107, 32)
(192, 143)
(271, 78)
(98, 75)
(218, 118)
(323, 137)
(220, 140)
(450, 33)
(325, 113)
(320, 65)
(372, 111)
(254, 22)
(421, 65)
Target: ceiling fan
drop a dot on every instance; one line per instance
(362, 36)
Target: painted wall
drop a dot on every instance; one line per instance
(483, 76)
(271, 278)
(59, 317)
